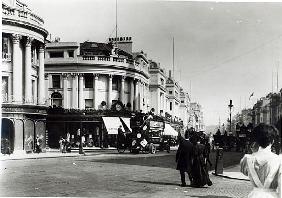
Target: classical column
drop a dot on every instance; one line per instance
(74, 91)
(35, 91)
(132, 93)
(122, 90)
(27, 84)
(141, 86)
(110, 91)
(95, 102)
(136, 97)
(80, 90)
(17, 70)
(65, 91)
(41, 93)
(45, 101)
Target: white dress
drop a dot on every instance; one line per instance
(262, 167)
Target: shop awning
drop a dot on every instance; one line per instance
(169, 130)
(126, 121)
(112, 124)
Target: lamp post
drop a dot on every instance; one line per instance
(230, 109)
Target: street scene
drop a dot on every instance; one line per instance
(141, 98)
(107, 175)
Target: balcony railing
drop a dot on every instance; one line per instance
(6, 56)
(21, 15)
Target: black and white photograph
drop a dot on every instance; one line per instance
(141, 99)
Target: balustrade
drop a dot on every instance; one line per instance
(25, 15)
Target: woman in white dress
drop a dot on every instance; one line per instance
(263, 166)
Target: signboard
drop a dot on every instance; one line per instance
(156, 125)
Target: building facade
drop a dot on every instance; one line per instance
(94, 78)
(196, 117)
(157, 88)
(92, 75)
(185, 107)
(23, 96)
(173, 98)
(268, 110)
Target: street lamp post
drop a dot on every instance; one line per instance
(230, 109)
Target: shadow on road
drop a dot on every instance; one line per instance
(167, 161)
(209, 196)
(162, 183)
(156, 182)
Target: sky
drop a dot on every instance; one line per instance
(223, 50)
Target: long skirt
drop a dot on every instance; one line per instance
(200, 174)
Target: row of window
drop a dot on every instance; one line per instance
(88, 82)
(60, 54)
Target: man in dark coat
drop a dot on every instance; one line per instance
(184, 159)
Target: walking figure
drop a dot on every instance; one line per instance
(184, 159)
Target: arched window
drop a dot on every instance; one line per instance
(56, 99)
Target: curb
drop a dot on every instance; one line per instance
(228, 177)
(37, 157)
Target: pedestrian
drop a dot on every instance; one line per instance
(262, 166)
(61, 142)
(38, 144)
(184, 159)
(200, 174)
(207, 151)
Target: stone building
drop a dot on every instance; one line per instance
(185, 108)
(23, 96)
(196, 117)
(173, 98)
(90, 77)
(82, 76)
(157, 88)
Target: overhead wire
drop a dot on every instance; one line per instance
(235, 57)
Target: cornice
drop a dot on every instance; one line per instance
(98, 66)
(26, 25)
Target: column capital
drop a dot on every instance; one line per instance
(28, 41)
(123, 78)
(73, 75)
(65, 75)
(96, 76)
(110, 75)
(80, 75)
(16, 38)
(42, 48)
(137, 80)
(46, 76)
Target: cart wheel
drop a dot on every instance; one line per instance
(152, 148)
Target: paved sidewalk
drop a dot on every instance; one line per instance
(233, 173)
(48, 154)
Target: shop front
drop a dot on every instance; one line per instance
(89, 128)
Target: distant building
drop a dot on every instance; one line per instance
(23, 96)
(173, 98)
(268, 110)
(157, 88)
(185, 107)
(197, 117)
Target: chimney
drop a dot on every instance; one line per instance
(123, 43)
(169, 73)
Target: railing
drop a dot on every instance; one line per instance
(21, 15)
(6, 56)
(120, 60)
